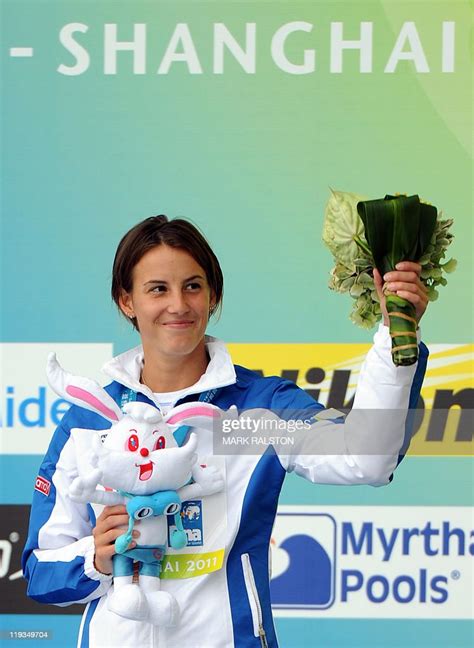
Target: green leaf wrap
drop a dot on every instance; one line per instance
(398, 228)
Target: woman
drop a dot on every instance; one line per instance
(168, 282)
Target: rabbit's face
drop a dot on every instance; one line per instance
(142, 457)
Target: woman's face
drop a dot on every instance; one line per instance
(171, 299)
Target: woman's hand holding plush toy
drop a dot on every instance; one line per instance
(111, 523)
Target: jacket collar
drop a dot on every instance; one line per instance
(126, 368)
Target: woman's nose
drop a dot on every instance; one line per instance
(144, 452)
(178, 303)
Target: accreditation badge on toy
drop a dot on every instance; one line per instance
(205, 524)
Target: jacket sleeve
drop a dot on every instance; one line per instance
(58, 559)
(366, 447)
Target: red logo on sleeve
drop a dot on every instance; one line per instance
(42, 485)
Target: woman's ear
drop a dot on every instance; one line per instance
(126, 305)
(212, 303)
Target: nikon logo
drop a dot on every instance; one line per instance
(443, 422)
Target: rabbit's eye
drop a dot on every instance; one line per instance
(160, 443)
(132, 443)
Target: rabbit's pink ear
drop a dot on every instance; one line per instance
(196, 414)
(81, 391)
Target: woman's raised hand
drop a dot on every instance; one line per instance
(405, 282)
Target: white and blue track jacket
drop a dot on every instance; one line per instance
(229, 607)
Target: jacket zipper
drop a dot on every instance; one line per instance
(254, 601)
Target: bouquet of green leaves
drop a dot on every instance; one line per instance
(363, 234)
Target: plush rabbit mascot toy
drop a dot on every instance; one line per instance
(139, 464)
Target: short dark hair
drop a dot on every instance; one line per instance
(159, 230)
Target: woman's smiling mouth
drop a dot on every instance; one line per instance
(179, 324)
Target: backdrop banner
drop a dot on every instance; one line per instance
(241, 116)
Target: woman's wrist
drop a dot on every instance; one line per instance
(98, 568)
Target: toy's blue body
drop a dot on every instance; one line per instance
(149, 557)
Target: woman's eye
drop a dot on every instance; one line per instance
(158, 289)
(193, 286)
